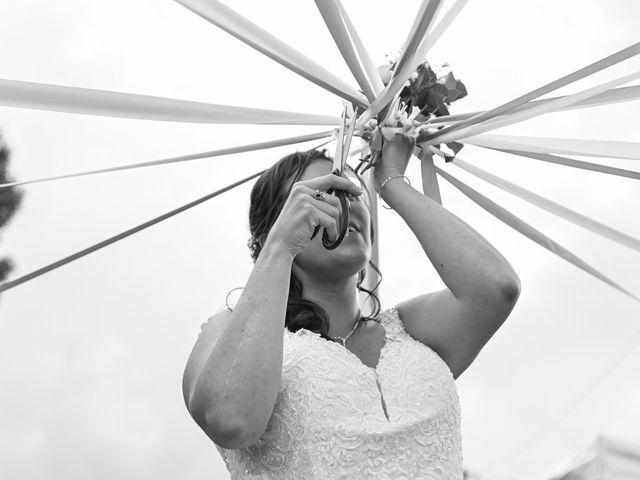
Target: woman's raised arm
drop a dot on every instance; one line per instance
(233, 376)
(482, 287)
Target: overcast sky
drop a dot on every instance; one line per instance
(91, 355)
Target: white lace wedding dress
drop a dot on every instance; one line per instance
(330, 418)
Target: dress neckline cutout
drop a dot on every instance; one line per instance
(354, 358)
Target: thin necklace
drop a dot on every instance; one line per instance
(344, 339)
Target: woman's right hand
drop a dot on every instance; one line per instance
(301, 212)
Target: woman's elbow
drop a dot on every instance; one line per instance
(227, 432)
(222, 427)
(510, 288)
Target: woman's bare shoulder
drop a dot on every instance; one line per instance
(209, 333)
(218, 319)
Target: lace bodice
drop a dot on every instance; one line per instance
(329, 420)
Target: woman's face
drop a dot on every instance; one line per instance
(355, 250)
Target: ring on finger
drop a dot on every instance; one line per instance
(319, 195)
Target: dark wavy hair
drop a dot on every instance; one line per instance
(268, 197)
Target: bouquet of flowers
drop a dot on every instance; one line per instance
(430, 94)
(424, 96)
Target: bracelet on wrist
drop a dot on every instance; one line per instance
(385, 182)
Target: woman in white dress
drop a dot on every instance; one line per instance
(294, 383)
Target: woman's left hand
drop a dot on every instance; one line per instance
(395, 157)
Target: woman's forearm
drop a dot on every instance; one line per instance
(241, 378)
(466, 262)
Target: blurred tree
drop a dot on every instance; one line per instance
(10, 198)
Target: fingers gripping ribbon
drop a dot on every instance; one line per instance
(339, 161)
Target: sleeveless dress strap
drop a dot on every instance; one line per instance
(392, 323)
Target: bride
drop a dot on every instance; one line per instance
(296, 383)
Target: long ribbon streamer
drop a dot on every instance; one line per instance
(426, 13)
(248, 32)
(422, 50)
(615, 95)
(369, 67)
(428, 42)
(570, 162)
(527, 230)
(534, 110)
(323, 143)
(430, 186)
(567, 146)
(442, 26)
(20, 280)
(340, 140)
(183, 158)
(538, 92)
(401, 75)
(87, 101)
(332, 18)
(550, 206)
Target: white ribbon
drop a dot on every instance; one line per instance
(426, 13)
(87, 101)
(570, 162)
(185, 158)
(248, 32)
(333, 19)
(615, 95)
(567, 146)
(601, 64)
(549, 205)
(533, 111)
(527, 230)
(86, 251)
(402, 74)
(372, 72)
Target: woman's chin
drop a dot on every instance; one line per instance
(352, 253)
(348, 258)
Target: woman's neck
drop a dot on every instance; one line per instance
(338, 297)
